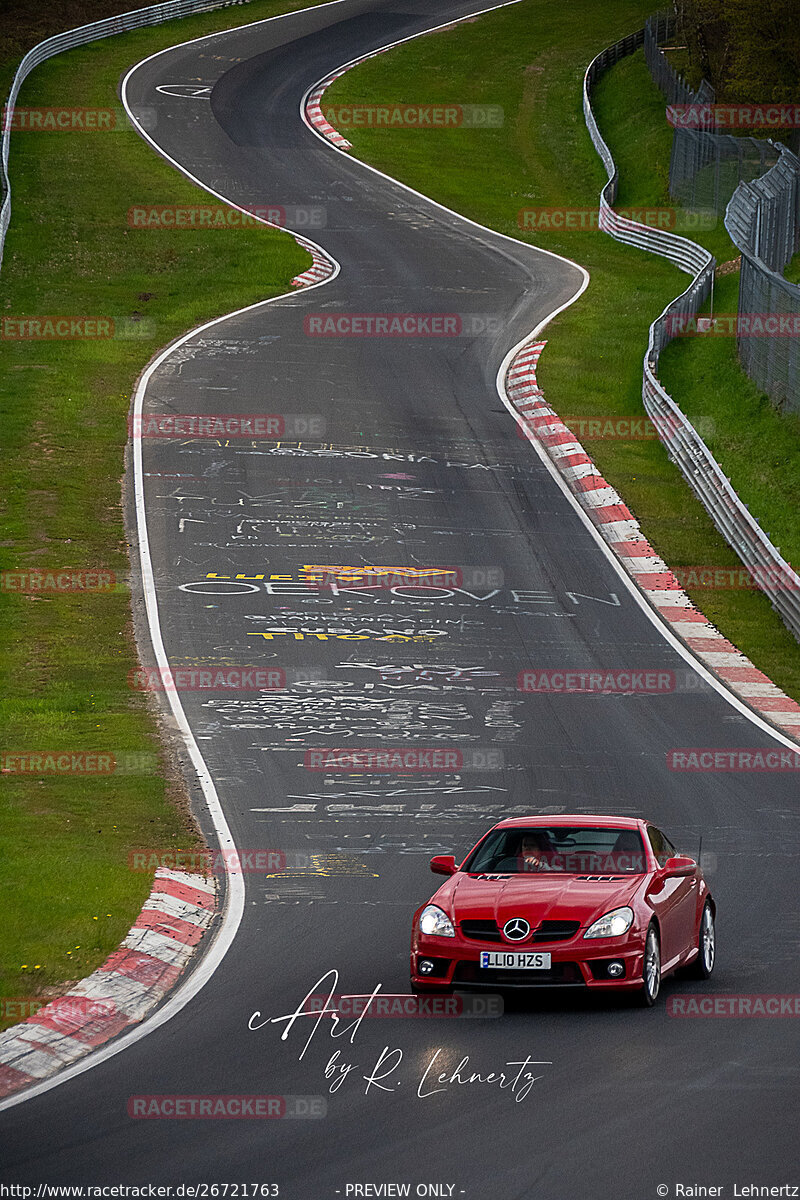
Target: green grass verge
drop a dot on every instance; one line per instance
(758, 446)
(530, 59)
(792, 269)
(66, 893)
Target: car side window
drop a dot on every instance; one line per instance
(662, 847)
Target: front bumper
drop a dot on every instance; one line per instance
(577, 962)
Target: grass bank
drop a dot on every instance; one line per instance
(66, 892)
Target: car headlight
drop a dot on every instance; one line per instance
(434, 921)
(613, 924)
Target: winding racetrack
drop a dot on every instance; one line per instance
(420, 465)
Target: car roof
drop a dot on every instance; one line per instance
(600, 820)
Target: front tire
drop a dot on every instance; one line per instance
(703, 965)
(651, 970)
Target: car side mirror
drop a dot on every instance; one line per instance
(443, 864)
(678, 867)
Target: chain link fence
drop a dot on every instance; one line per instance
(705, 166)
(763, 220)
(756, 184)
(683, 443)
(659, 29)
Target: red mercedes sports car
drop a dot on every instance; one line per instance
(582, 901)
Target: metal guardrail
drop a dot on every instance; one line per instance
(763, 220)
(683, 443)
(155, 14)
(765, 216)
(683, 252)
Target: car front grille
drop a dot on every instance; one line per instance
(481, 931)
(548, 931)
(556, 931)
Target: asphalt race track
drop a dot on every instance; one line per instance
(419, 465)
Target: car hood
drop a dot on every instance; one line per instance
(541, 897)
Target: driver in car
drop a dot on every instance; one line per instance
(536, 853)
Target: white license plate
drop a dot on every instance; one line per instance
(515, 960)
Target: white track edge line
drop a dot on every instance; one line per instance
(233, 909)
(224, 935)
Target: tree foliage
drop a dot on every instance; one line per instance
(748, 49)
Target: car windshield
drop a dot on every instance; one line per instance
(570, 849)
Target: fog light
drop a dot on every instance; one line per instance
(425, 966)
(615, 970)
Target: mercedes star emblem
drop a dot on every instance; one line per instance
(517, 929)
